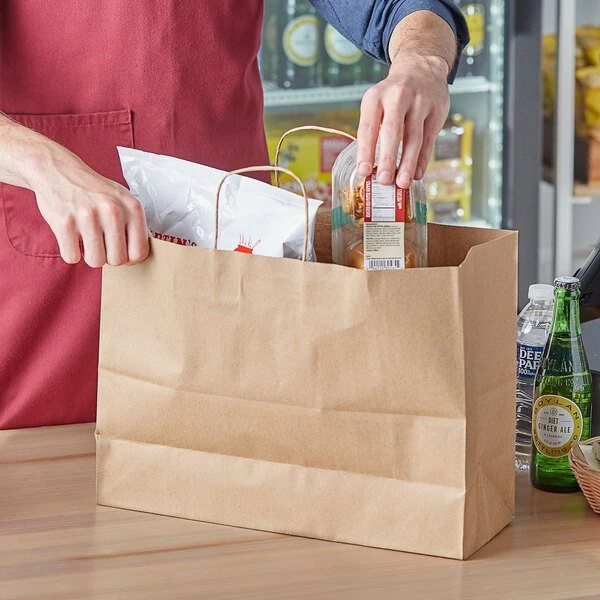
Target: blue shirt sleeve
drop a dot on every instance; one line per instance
(369, 24)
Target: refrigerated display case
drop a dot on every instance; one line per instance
(570, 192)
(479, 157)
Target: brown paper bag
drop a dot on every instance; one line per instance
(375, 408)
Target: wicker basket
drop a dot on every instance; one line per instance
(588, 478)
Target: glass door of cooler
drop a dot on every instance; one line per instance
(313, 76)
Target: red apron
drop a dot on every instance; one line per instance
(176, 77)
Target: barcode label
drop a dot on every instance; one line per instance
(377, 264)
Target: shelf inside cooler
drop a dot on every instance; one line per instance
(583, 190)
(277, 97)
(580, 190)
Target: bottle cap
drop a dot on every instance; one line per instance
(567, 283)
(542, 292)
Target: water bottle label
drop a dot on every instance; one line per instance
(528, 360)
(557, 424)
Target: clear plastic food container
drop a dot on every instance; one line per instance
(376, 226)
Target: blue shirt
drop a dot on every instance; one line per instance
(369, 24)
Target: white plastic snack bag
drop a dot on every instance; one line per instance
(179, 199)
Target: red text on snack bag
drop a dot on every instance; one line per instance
(173, 239)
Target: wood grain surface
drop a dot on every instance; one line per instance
(55, 543)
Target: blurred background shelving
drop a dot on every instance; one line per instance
(569, 193)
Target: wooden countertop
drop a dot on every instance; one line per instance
(55, 543)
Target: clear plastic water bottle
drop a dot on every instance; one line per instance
(533, 326)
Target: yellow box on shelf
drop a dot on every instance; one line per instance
(310, 154)
(449, 175)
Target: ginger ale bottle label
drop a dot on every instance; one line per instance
(557, 423)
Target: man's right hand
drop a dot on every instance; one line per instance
(90, 215)
(79, 204)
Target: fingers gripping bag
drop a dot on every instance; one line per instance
(179, 199)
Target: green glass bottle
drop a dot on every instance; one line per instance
(562, 403)
(343, 62)
(376, 71)
(298, 64)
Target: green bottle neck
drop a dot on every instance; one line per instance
(566, 312)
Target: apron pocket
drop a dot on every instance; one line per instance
(94, 138)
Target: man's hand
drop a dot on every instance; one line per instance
(411, 105)
(84, 210)
(79, 204)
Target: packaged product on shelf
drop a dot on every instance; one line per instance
(587, 75)
(549, 74)
(449, 174)
(474, 59)
(587, 107)
(588, 39)
(374, 226)
(588, 100)
(343, 62)
(310, 155)
(587, 141)
(587, 54)
(179, 199)
(549, 45)
(298, 48)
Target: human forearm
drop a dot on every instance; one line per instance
(425, 34)
(83, 209)
(423, 52)
(412, 103)
(21, 149)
